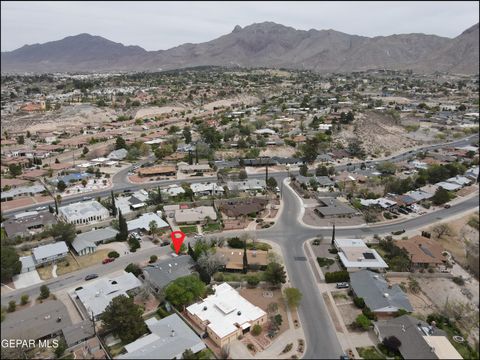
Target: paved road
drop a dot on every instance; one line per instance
(121, 183)
(290, 234)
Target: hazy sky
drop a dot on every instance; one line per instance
(161, 25)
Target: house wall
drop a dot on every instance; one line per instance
(51, 258)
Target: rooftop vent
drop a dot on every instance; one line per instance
(205, 308)
(403, 328)
(386, 295)
(239, 313)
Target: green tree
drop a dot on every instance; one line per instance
(441, 196)
(122, 228)
(44, 292)
(63, 231)
(271, 183)
(124, 319)
(120, 143)
(303, 170)
(113, 205)
(85, 150)
(113, 254)
(242, 175)
(363, 322)
(293, 296)
(275, 274)
(245, 259)
(256, 330)
(15, 170)
(134, 269)
(355, 148)
(10, 263)
(187, 134)
(185, 290)
(21, 140)
(321, 170)
(60, 349)
(61, 186)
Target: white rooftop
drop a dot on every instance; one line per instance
(84, 209)
(95, 296)
(143, 222)
(226, 310)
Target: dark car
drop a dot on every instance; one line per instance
(127, 190)
(107, 260)
(165, 243)
(447, 206)
(91, 277)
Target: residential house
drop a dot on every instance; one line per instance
(169, 338)
(382, 298)
(78, 333)
(331, 207)
(235, 208)
(256, 259)
(82, 213)
(195, 168)
(225, 315)
(205, 189)
(355, 255)
(250, 185)
(418, 339)
(118, 155)
(86, 243)
(423, 251)
(45, 254)
(22, 191)
(157, 170)
(28, 223)
(143, 222)
(162, 272)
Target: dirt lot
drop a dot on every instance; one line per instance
(349, 313)
(310, 218)
(421, 304)
(380, 133)
(256, 296)
(460, 235)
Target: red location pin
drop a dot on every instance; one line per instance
(177, 238)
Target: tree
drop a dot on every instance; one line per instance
(321, 170)
(21, 140)
(271, 183)
(293, 296)
(387, 168)
(153, 227)
(85, 150)
(153, 258)
(64, 232)
(60, 349)
(10, 263)
(84, 182)
(441, 196)
(184, 290)
(253, 280)
(211, 263)
(24, 299)
(124, 319)
(191, 252)
(355, 148)
(441, 230)
(242, 174)
(134, 269)
(275, 274)
(204, 276)
(392, 343)
(61, 186)
(113, 254)
(113, 205)
(133, 243)
(122, 228)
(187, 134)
(44, 292)
(120, 143)
(256, 330)
(303, 170)
(15, 170)
(245, 259)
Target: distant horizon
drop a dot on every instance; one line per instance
(233, 27)
(156, 26)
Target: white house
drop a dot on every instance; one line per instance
(82, 213)
(355, 255)
(49, 253)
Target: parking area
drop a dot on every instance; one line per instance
(26, 279)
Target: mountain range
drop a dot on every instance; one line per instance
(264, 44)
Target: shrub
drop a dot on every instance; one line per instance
(287, 348)
(153, 258)
(458, 280)
(235, 243)
(218, 277)
(113, 254)
(162, 312)
(333, 251)
(250, 346)
(324, 261)
(256, 330)
(368, 313)
(362, 322)
(252, 280)
(359, 302)
(337, 276)
(44, 292)
(12, 305)
(24, 299)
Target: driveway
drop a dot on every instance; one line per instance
(26, 279)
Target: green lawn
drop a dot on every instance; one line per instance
(189, 229)
(212, 227)
(325, 261)
(369, 352)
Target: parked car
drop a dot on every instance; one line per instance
(40, 208)
(342, 285)
(91, 276)
(127, 190)
(107, 260)
(87, 198)
(447, 206)
(165, 243)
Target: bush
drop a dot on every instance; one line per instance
(44, 292)
(458, 280)
(359, 302)
(162, 312)
(252, 280)
(12, 305)
(113, 254)
(250, 346)
(333, 251)
(153, 258)
(337, 276)
(362, 322)
(287, 348)
(218, 277)
(256, 330)
(24, 299)
(235, 243)
(134, 269)
(324, 261)
(368, 313)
